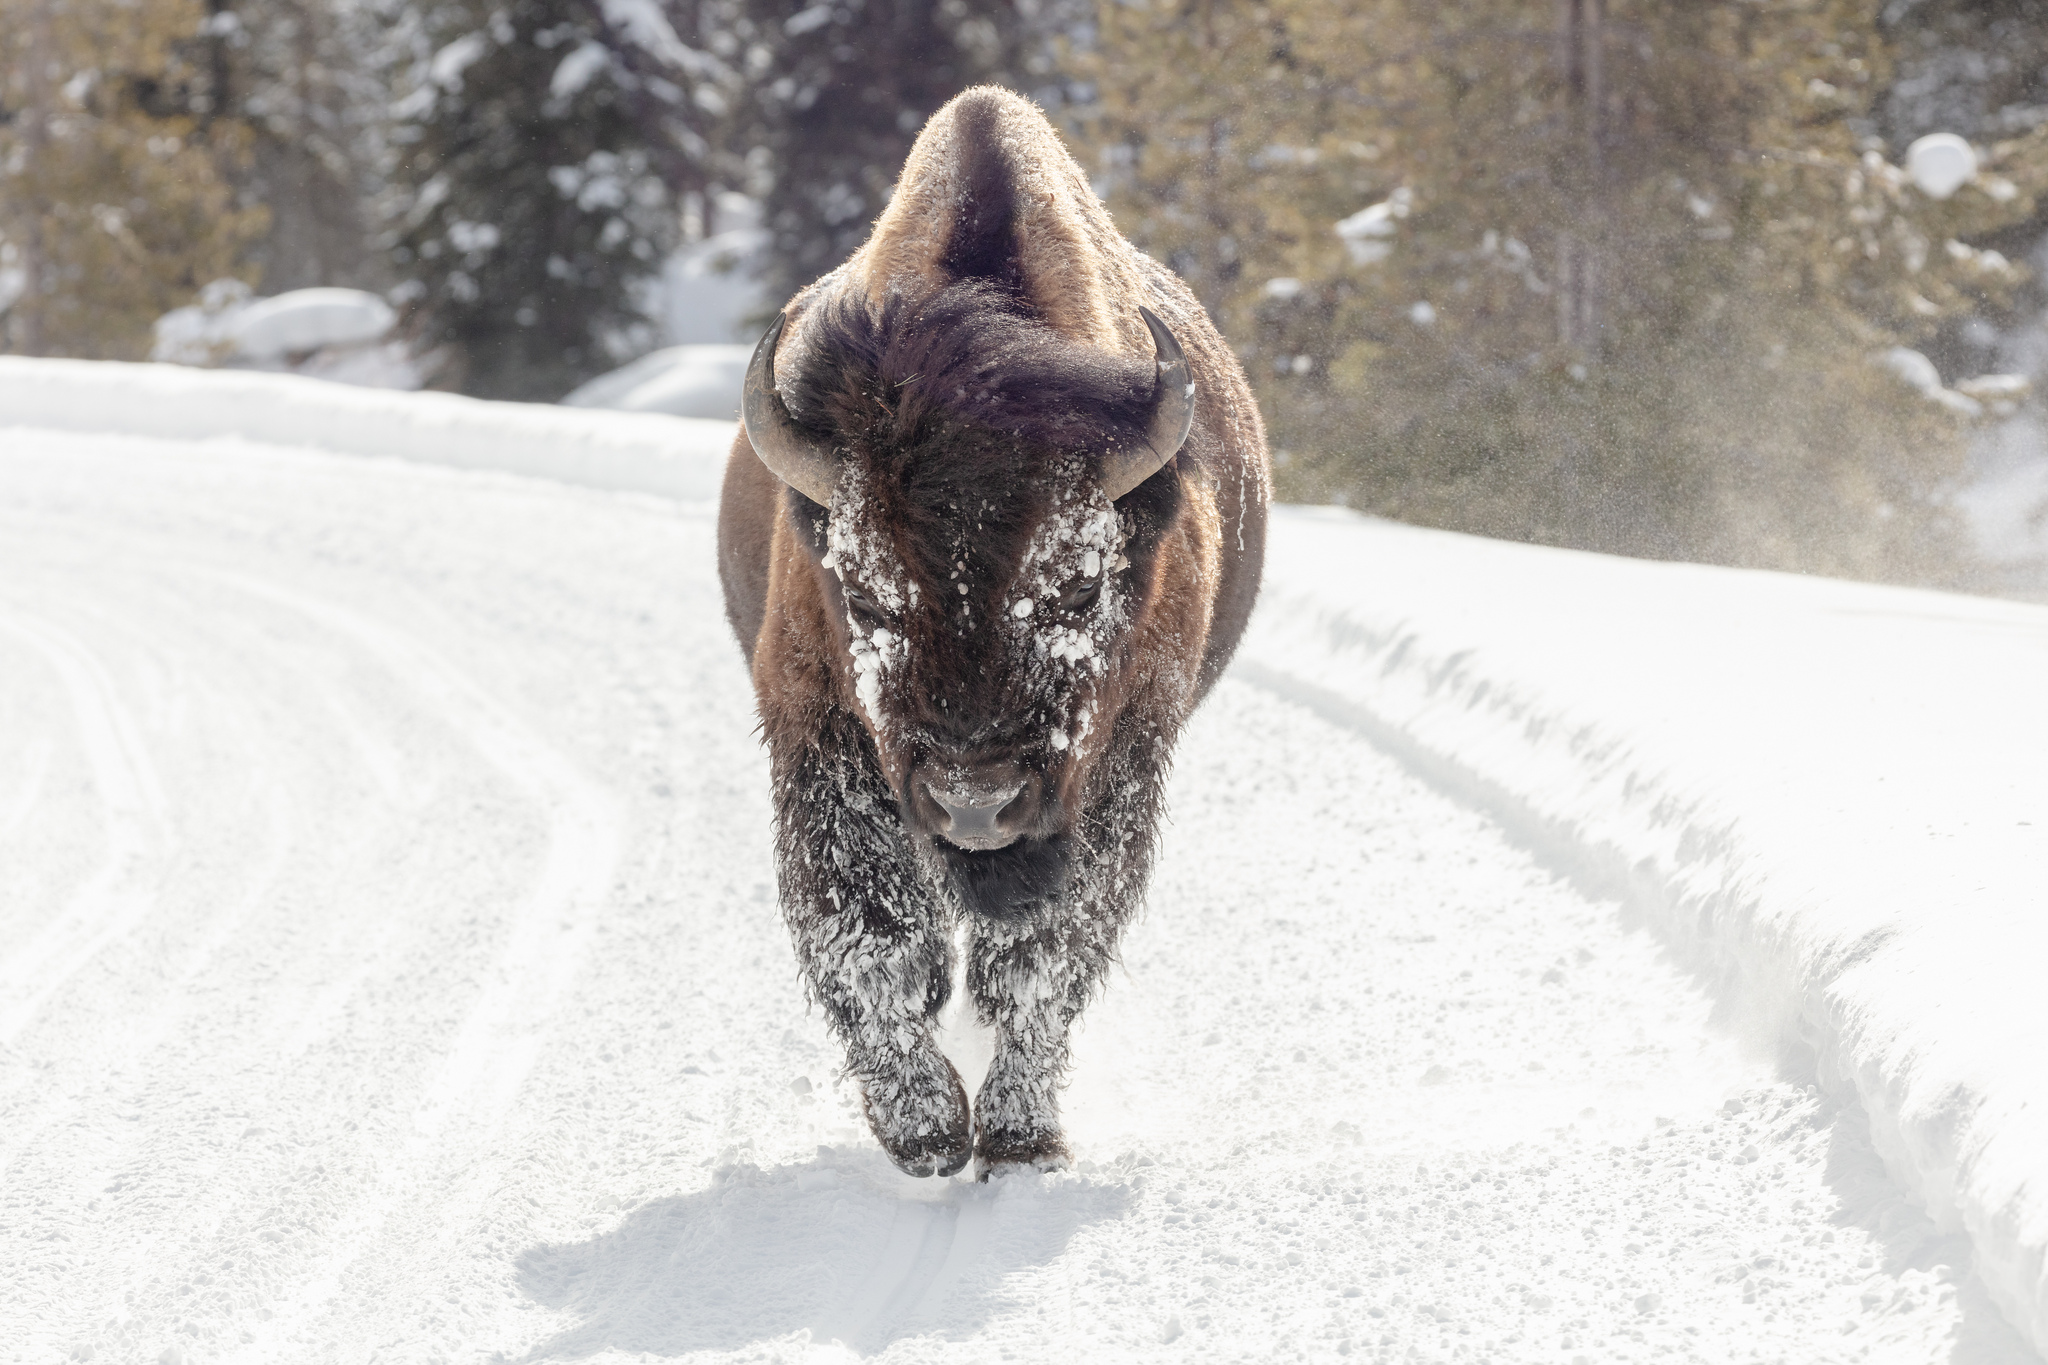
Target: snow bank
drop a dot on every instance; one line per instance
(1828, 799)
(676, 457)
(682, 381)
(307, 319)
(334, 334)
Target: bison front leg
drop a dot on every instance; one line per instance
(874, 943)
(1029, 982)
(1030, 978)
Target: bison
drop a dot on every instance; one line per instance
(990, 531)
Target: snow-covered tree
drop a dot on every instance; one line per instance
(836, 92)
(115, 196)
(539, 149)
(1973, 68)
(298, 80)
(1604, 274)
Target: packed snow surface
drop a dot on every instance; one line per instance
(1827, 799)
(1552, 958)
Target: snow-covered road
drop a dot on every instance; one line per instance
(389, 971)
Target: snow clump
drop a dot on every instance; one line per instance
(1940, 164)
(1919, 373)
(1368, 233)
(1083, 538)
(338, 334)
(859, 555)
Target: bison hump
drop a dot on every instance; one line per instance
(989, 191)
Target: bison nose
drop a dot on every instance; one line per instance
(971, 815)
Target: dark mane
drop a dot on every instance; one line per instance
(965, 399)
(971, 361)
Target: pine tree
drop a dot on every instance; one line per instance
(837, 94)
(1974, 68)
(115, 201)
(539, 152)
(297, 77)
(1608, 275)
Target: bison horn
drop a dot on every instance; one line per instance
(1173, 412)
(791, 454)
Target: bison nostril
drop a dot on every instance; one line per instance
(971, 815)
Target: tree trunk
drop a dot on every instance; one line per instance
(37, 52)
(1580, 53)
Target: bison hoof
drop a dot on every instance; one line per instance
(1002, 1153)
(921, 1122)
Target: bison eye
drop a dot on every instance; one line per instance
(1080, 594)
(863, 607)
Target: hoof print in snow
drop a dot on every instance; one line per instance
(923, 1128)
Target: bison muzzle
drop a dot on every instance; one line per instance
(991, 530)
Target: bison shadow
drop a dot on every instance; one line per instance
(841, 1247)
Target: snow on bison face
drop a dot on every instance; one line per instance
(961, 470)
(979, 656)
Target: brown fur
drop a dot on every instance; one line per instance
(985, 338)
(1087, 281)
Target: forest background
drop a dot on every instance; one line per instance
(1612, 274)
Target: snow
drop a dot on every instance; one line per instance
(1368, 234)
(1939, 164)
(683, 381)
(1995, 388)
(709, 291)
(672, 456)
(804, 20)
(576, 70)
(1551, 957)
(2006, 498)
(643, 24)
(1919, 373)
(308, 319)
(447, 65)
(341, 335)
(1825, 797)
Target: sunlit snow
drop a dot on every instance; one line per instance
(1550, 956)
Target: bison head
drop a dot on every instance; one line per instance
(977, 497)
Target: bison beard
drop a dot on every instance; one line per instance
(1006, 883)
(873, 921)
(978, 612)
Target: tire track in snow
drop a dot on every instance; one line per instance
(143, 1031)
(117, 896)
(1594, 876)
(503, 1030)
(931, 1243)
(34, 770)
(106, 1050)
